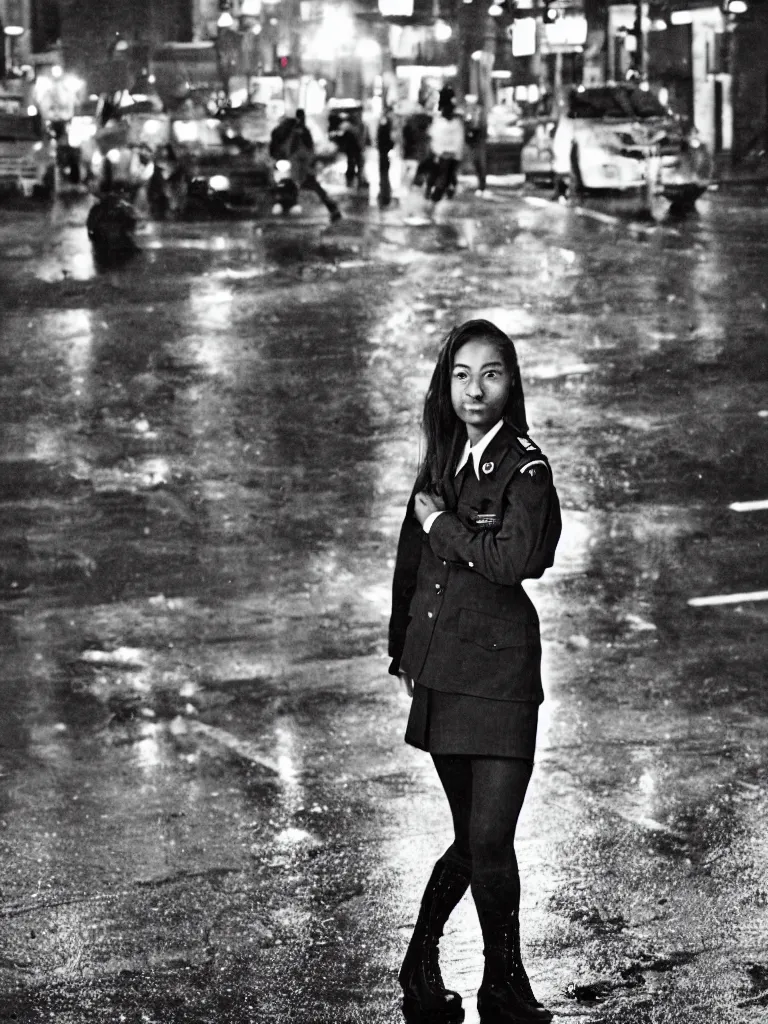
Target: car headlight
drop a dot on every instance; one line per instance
(219, 183)
(113, 155)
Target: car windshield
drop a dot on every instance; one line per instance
(19, 128)
(597, 104)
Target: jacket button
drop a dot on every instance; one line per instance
(444, 562)
(471, 565)
(429, 615)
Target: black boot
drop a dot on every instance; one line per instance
(505, 993)
(424, 994)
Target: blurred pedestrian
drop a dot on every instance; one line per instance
(464, 640)
(416, 148)
(446, 137)
(300, 150)
(476, 135)
(384, 144)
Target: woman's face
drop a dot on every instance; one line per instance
(480, 386)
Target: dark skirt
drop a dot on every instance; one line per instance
(457, 723)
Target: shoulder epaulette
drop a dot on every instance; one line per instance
(525, 446)
(530, 453)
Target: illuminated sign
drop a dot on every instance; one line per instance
(568, 31)
(523, 37)
(396, 8)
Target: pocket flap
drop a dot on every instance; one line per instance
(493, 633)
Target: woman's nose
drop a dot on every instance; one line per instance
(474, 388)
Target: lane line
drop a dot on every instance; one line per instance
(754, 595)
(749, 506)
(582, 211)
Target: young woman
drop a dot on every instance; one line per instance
(464, 640)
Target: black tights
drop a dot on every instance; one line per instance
(486, 796)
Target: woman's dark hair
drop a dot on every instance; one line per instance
(444, 432)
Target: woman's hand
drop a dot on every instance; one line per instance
(406, 682)
(425, 504)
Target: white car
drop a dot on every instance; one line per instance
(621, 138)
(27, 154)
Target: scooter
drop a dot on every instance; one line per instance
(113, 219)
(111, 226)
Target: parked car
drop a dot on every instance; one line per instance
(621, 138)
(506, 136)
(27, 153)
(219, 162)
(537, 155)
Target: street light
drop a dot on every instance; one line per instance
(443, 31)
(225, 20)
(13, 32)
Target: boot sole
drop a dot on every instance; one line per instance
(498, 1015)
(414, 1014)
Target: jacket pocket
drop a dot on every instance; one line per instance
(495, 634)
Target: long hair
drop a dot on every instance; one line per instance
(444, 433)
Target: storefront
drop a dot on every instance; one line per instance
(686, 58)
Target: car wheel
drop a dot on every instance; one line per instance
(561, 187)
(682, 206)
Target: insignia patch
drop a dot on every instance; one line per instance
(486, 520)
(527, 444)
(488, 467)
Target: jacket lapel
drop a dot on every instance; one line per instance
(495, 454)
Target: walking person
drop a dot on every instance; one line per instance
(464, 641)
(446, 137)
(300, 150)
(384, 144)
(476, 135)
(417, 153)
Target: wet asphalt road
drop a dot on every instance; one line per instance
(207, 810)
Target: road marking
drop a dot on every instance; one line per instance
(612, 219)
(749, 506)
(582, 211)
(754, 595)
(243, 748)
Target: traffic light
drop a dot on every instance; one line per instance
(550, 11)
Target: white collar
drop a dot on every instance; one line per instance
(476, 450)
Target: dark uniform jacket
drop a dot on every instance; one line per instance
(461, 621)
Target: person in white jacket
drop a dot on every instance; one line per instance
(446, 136)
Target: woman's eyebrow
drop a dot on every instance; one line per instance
(464, 366)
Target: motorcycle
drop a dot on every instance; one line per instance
(121, 175)
(111, 226)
